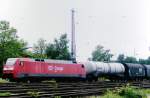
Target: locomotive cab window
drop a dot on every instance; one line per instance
(11, 61)
(21, 63)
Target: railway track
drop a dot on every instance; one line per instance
(51, 90)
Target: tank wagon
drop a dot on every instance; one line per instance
(134, 71)
(109, 70)
(28, 69)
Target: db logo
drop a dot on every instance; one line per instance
(55, 68)
(50, 68)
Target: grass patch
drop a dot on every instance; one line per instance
(103, 79)
(33, 94)
(147, 91)
(3, 81)
(110, 94)
(5, 94)
(49, 81)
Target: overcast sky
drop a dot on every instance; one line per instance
(119, 25)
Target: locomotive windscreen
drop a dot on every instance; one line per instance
(11, 61)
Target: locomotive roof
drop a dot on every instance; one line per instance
(47, 60)
(58, 61)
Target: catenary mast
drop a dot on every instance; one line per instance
(73, 45)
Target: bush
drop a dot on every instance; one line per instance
(130, 92)
(126, 92)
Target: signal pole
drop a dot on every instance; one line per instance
(73, 45)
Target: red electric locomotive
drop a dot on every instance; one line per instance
(39, 69)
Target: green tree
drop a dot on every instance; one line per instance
(100, 54)
(121, 58)
(10, 45)
(131, 59)
(39, 48)
(142, 61)
(145, 61)
(148, 60)
(59, 49)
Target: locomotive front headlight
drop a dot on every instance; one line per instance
(9, 68)
(5, 68)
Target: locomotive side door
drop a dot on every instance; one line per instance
(22, 68)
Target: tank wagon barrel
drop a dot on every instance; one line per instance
(103, 68)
